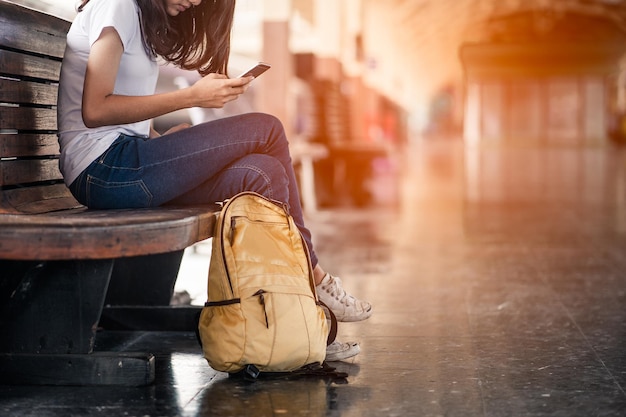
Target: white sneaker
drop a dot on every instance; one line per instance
(338, 351)
(345, 306)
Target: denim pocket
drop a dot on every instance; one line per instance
(111, 194)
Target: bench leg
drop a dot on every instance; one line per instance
(55, 307)
(144, 280)
(49, 326)
(140, 292)
(307, 185)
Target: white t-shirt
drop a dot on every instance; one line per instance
(137, 76)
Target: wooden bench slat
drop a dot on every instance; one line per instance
(37, 199)
(13, 172)
(28, 144)
(20, 92)
(16, 65)
(29, 30)
(103, 234)
(28, 118)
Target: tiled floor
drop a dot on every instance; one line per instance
(499, 286)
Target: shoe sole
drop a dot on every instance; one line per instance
(354, 350)
(346, 319)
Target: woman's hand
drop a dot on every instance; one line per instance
(215, 90)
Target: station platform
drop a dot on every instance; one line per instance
(498, 280)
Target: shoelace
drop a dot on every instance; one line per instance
(335, 289)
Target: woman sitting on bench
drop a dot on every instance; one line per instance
(112, 158)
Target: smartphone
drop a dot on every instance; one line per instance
(257, 70)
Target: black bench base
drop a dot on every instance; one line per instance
(106, 368)
(52, 313)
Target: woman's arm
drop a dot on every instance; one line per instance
(101, 107)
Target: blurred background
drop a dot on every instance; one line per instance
(355, 81)
(509, 70)
(359, 84)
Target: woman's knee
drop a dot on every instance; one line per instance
(271, 125)
(264, 119)
(263, 174)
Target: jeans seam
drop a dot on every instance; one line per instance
(120, 168)
(105, 184)
(122, 139)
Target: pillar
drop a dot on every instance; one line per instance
(273, 92)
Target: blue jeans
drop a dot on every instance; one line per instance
(204, 164)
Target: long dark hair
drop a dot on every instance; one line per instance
(197, 39)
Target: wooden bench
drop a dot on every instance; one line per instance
(66, 271)
(349, 162)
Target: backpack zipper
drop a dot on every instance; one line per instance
(230, 284)
(260, 293)
(231, 233)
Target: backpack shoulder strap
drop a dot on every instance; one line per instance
(332, 333)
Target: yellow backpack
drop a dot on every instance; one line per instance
(262, 312)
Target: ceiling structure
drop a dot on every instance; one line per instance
(431, 31)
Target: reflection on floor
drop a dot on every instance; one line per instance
(499, 286)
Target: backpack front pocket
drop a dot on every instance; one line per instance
(222, 333)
